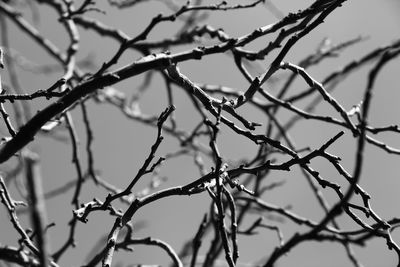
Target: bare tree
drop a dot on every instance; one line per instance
(238, 188)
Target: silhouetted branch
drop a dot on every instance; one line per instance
(233, 136)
